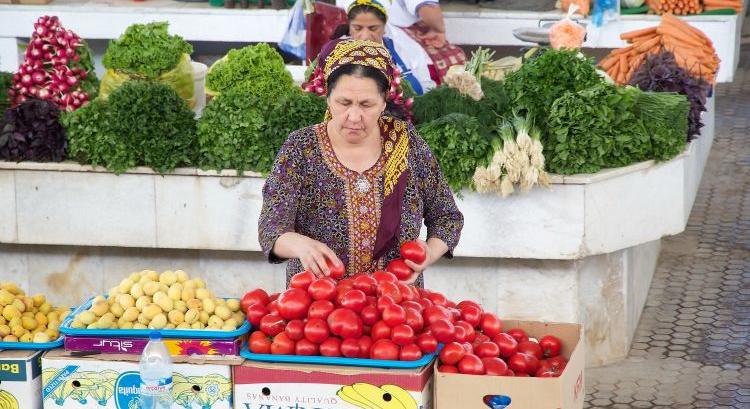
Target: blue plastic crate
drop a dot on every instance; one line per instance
(38, 346)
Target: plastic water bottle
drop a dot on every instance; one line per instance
(156, 375)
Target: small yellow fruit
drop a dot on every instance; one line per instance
(98, 298)
(151, 311)
(137, 291)
(192, 316)
(11, 288)
(41, 319)
(112, 294)
(233, 304)
(19, 331)
(6, 297)
(138, 325)
(45, 308)
(176, 317)
(64, 313)
(151, 288)
(15, 322)
(86, 317)
(27, 337)
(180, 306)
(181, 276)
(204, 317)
(10, 338)
(3, 321)
(170, 326)
(166, 304)
(199, 283)
(28, 302)
(53, 325)
(41, 337)
(159, 321)
(184, 325)
(125, 325)
(105, 322)
(238, 317)
(52, 333)
(187, 293)
(142, 302)
(100, 308)
(126, 285)
(194, 304)
(198, 325)
(126, 300)
(39, 300)
(189, 284)
(223, 312)
(152, 275)
(130, 314)
(117, 310)
(142, 319)
(19, 304)
(168, 278)
(215, 322)
(29, 323)
(4, 331)
(175, 292)
(231, 323)
(202, 294)
(209, 305)
(77, 324)
(10, 312)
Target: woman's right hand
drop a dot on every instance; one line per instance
(312, 254)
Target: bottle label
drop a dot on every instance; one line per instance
(163, 386)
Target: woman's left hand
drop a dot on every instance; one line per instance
(419, 268)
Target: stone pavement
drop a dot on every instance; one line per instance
(692, 346)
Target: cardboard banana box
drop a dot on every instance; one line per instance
(20, 379)
(272, 386)
(112, 382)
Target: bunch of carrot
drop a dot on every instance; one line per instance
(692, 49)
(736, 5)
(680, 7)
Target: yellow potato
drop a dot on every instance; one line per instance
(27, 337)
(159, 321)
(204, 317)
(181, 276)
(142, 302)
(53, 325)
(231, 323)
(117, 310)
(86, 317)
(126, 285)
(41, 337)
(45, 308)
(6, 297)
(233, 305)
(41, 319)
(77, 324)
(238, 317)
(52, 333)
(168, 278)
(110, 316)
(202, 294)
(105, 322)
(187, 293)
(150, 288)
(180, 306)
(130, 314)
(39, 300)
(99, 308)
(12, 288)
(126, 300)
(223, 312)
(15, 322)
(53, 316)
(3, 321)
(220, 301)
(209, 305)
(19, 331)
(192, 316)
(184, 325)
(27, 314)
(29, 323)
(152, 275)
(138, 325)
(166, 304)
(215, 322)
(176, 317)
(189, 284)
(125, 325)
(10, 312)
(198, 325)
(175, 292)
(142, 319)
(199, 283)
(10, 338)
(195, 304)
(137, 291)
(4, 331)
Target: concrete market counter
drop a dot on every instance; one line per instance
(582, 251)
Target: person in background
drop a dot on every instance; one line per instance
(368, 20)
(423, 21)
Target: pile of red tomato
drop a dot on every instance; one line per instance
(509, 353)
(378, 316)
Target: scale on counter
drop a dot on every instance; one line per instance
(540, 35)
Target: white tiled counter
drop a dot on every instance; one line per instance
(582, 251)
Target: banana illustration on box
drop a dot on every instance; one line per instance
(366, 396)
(98, 386)
(200, 391)
(8, 401)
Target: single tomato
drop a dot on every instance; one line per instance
(530, 348)
(295, 329)
(551, 346)
(523, 363)
(414, 319)
(427, 343)
(471, 365)
(345, 323)
(393, 315)
(507, 344)
(558, 362)
(384, 276)
(433, 314)
(365, 283)
(302, 280)
(380, 330)
(273, 307)
(495, 366)
(335, 271)
(390, 289)
(320, 309)
(402, 334)
(399, 268)
(383, 302)
(330, 347)
(410, 352)
(306, 348)
(370, 315)
(365, 343)
(465, 303)
(413, 305)
(316, 330)
(471, 314)
(443, 331)
(384, 349)
(490, 324)
(282, 345)
(350, 348)
(460, 335)
(447, 369)
(471, 334)
(414, 250)
(260, 343)
(272, 325)
(256, 312)
(407, 292)
(354, 300)
(488, 350)
(452, 353)
(257, 296)
(518, 334)
(322, 289)
(437, 298)
(293, 304)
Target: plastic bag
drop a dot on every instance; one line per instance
(584, 6)
(180, 78)
(295, 35)
(605, 11)
(566, 33)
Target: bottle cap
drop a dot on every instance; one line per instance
(154, 336)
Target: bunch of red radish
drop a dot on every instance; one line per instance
(497, 353)
(50, 71)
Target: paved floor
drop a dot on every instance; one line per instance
(692, 346)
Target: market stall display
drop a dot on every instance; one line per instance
(28, 322)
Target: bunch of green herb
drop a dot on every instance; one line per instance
(146, 50)
(90, 84)
(665, 115)
(594, 129)
(547, 76)
(296, 110)
(6, 80)
(460, 146)
(478, 62)
(258, 69)
(443, 100)
(142, 123)
(228, 132)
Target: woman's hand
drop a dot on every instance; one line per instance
(313, 254)
(433, 38)
(434, 249)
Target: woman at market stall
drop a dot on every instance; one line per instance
(368, 20)
(350, 190)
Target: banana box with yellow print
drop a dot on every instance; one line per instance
(109, 381)
(20, 379)
(259, 385)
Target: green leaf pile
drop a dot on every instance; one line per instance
(6, 80)
(146, 50)
(445, 100)
(257, 69)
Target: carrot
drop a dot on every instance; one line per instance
(623, 62)
(648, 44)
(727, 3)
(638, 33)
(642, 38)
(608, 63)
(619, 51)
(679, 36)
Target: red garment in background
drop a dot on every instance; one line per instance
(320, 26)
(443, 58)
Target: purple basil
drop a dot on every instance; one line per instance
(32, 131)
(661, 73)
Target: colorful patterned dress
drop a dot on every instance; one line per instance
(311, 193)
